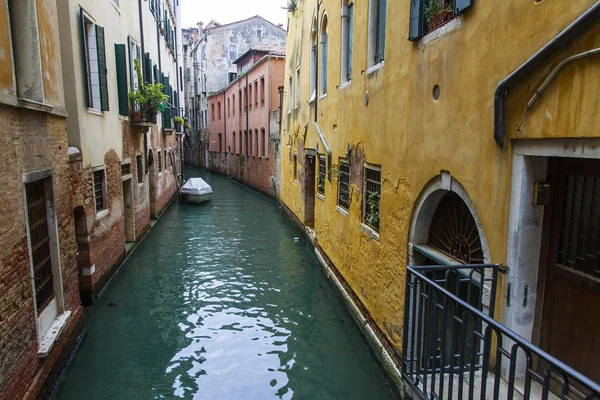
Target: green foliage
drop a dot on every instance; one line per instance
(187, 126)
(178, 120)
(434, 7)
(373, 210)
(149, 97)
(321, 182)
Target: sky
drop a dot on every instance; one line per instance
(226, 11)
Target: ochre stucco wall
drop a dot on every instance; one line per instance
(414, 138)
(7, 82)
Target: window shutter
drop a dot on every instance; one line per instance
(147, 68)
(102, 72)
(350, 39)
(461, 5)
(417, 19)
(121, 62)
(381, 24)
(155, 75)
(84, 56)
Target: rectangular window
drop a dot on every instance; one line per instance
(380, 35)
(240, 143)
(372, 196)
(121, 67)
(249, 144)
(39, 234)
(344, 185)
(232, 76)
(134, 54)
(295, 167)
(347, 43)
(159, 162)
(324, 62)
(228, 107)
(240, 100)
(219, 110)
(262, 91)
(264, 142)
(212, 109)
(256, 142)
(246, 99)
(297, 89)
(250, 96)
(96, 85)
(140, 168)
(232, 52)
(233, 104)
(322, 174)
(100, 190)
(289, 94)
(125, 169)
(255, 94)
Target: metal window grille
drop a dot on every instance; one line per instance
(372, 197)
(159, 162)
(140, 169)
(322, 172)
(40, 243)
(99, 189)
(344, 186)
(579, 245)
(125, 169)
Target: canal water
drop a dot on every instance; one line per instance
(222, 300)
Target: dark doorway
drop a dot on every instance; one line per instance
(309, 190)
(128, 218)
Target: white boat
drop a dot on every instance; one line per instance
(196, 190)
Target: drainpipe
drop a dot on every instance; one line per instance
(582, 22)
(280, 92)
(327, 149)
(246, 110)
(225, 126)
(317, 67)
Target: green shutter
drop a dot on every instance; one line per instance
(155, 74)
(121, 60)
(147, 68)
(381, 24)
(152, 6)
(102, 72)
(350, 39)
(84, 57)
(461, 5)
(417, 19)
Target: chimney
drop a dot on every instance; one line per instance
(280, 26)
(194, 36)
(200, 28)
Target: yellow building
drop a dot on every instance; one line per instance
(400, 147)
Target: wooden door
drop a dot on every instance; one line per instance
(570, 328)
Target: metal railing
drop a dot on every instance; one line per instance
(454, 349)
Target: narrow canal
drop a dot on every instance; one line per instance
(222, 301)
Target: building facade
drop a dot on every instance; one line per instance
(244, 122)
(402, 153)
(40, 312)
(124, 172)
(212, 68)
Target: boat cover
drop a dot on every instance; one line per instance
(196, 186)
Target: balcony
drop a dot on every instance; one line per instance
(454, 349)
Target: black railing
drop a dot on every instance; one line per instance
(454, 349)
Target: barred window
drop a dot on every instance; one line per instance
(159, 162)
(140, 168)
(125, 169)
(322, 168)
(99, 190)
(372, 196)
(295, 166)
(344, 185)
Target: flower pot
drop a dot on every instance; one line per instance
(136, 116)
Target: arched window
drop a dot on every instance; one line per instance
(313, 59)
(324, 44)
(347, 40)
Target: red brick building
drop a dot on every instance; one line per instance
(244, 121)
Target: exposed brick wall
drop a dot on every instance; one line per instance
(164, 186)
(31, 141)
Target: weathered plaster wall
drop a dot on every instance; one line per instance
(413, 137)
(7, 80)
(50, 52)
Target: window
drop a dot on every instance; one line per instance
(250, 96)
(122, 90)
(259, 33)
(262, 91)
(344, 185)
(295, 167)
(313, 60)
(240, 100)
(264, 142)
(166, 152)
(297, 89)
(232, 52)
(213, 111)
(134, 54)
(228, 107)
(233, 105)
(255, 94)
(424, 19)
(94, 62)
(321, 177)
(240, 143)
(159, 162)
(377, 25)
(324, 44)
(249, 143)
(290, 94)
(371, 196)
(234, 143)
(100, 190)
(140, 168)
(219, 110)
(125, 169)
(256, 142)
(347, 41)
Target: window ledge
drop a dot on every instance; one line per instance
(42, 107)
(312, 100)
(375, 67)
(342, 211)
(47, 341)
(123, 118)
(320, 196)
(115, 6)
(324, 95)
(345, 85)
(372, 233)
(95, 112)
(441, 31)
(102, 214)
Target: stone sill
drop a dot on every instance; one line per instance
(441, 31)
(14, 101)
(375, 67)
(342, 211)
(320, 197)
(47, 341)
(372, 233)
(345, 85)
(102, 214)
(143, 123)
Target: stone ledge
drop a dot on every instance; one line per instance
(47, 341)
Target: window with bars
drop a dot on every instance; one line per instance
(295, 167)
(372, 197)
(100, 190)
(159, 162)
(321, 177)
(37, 212)
(344, 185)
(125, 169)
(140, 168)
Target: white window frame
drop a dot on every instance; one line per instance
(297, 88)
(91, 59)
(104, 211)
(372, 38)
(232, 49)
(289, 99)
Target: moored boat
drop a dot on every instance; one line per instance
(196, 190)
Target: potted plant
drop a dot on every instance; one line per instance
(149, 97)
(187, 126)
(436, 14)
(178, 122)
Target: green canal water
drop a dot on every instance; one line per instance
(222, 300)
